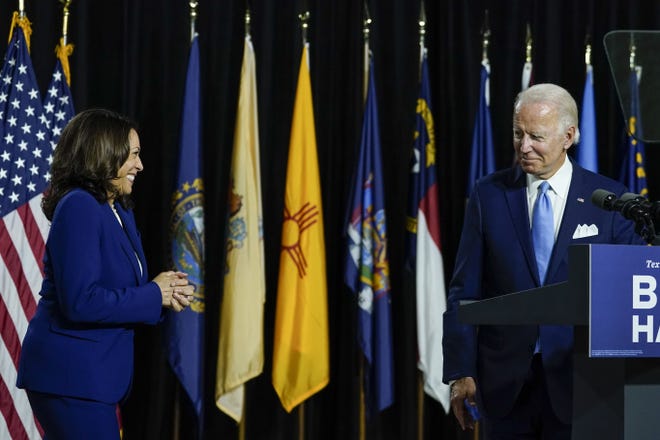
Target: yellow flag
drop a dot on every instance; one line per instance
(301, 353)
(240, 346)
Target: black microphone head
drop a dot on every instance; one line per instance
(625, 197)
(603, 199)
(636, 199)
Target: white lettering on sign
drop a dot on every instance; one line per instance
(650, 264)
(644, 296)
(644, 328)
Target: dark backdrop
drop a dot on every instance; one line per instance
(131, 55)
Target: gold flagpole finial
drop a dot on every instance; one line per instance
(485, 33)
(587, 50)
(304, 24)
(65, 20)
(528, 45)
(193, 18)
(633, 49)
(422, 25)
(247, 21)
(366, 23)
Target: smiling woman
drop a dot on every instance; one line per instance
(123, 183)
(95, 288)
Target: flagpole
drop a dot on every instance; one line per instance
(21, 8)
(176, 422)
(304, 25)
(193, 18)
(242, 423)
(365, 35)
(362, 425)
(420, 375)
(65, 21)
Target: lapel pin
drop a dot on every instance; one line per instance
(580, 199)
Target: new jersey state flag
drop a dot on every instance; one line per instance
(301, 359)
(241, 341)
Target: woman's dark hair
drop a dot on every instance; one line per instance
(92, 148)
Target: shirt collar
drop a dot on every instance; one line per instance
(559, 181)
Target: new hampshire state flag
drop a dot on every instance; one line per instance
(366, 270)
(301, 353)
(185, 330)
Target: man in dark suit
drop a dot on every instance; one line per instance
(521, 376)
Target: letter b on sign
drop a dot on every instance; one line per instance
(644, 296)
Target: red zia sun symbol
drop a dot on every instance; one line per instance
(292, 230)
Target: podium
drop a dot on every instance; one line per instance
(616, 393)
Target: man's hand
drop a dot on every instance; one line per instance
(461, 389)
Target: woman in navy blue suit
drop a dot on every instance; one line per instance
(77, 356)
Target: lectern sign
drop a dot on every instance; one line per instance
(624, 310)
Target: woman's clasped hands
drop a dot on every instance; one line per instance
(175, 290)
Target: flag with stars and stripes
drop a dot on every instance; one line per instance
(58, 102)
(25, 156)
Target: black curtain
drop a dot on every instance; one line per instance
(131, 56)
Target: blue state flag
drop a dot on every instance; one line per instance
(587, 149)
(633, 173)
(367, 268)
(185, 330)
(482, 158)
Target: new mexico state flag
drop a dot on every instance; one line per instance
(301, 353)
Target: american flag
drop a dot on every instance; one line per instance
(58, 102)
(25, 155)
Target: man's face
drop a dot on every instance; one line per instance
(539, 140)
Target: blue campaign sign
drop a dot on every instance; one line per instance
(624, 313)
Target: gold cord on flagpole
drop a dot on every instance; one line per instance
(485, 34)
(63, 50)
(193, 19)
(21, 20)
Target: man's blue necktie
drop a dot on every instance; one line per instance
(543, 230)
(543, 235)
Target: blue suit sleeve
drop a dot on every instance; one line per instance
(460, 340)
(94, 282)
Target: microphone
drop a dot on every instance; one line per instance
(631, 206)
(653, 208)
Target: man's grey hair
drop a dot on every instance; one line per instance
(555, 96)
